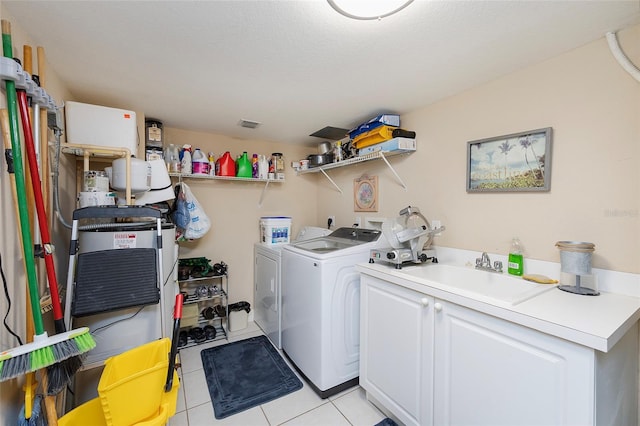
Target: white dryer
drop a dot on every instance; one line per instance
(321, 306)
(267, 272)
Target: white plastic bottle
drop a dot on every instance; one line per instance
(200, 163)
(516, 259)
(263, 167)
(185, 164)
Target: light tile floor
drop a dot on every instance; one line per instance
(303, 407)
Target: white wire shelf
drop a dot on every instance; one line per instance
(378, 155)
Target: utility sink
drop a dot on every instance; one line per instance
(499, 287)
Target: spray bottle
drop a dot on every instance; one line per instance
(185, 165)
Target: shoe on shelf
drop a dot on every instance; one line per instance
(210, 332)
(182, 339)
(197, 334)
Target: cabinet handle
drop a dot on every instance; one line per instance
(424, 302)
(438, 307)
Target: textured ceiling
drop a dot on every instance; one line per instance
(297, 66)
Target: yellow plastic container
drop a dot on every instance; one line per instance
(131, 390)
(132, 384)
(374, 136)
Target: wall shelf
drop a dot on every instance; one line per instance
(378, 155)
(182, 176)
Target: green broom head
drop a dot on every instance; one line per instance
(44, 351)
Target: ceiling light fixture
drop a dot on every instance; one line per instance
(368, 10)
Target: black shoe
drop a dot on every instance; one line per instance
(210, 332)
(197, 334)
(208, 313)
(182, 339)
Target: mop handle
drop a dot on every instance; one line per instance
(27, 239)
(177, 315)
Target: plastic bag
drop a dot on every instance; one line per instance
(199, 223)
(180, 215)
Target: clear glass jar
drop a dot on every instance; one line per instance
(278, 165)
(278, 162)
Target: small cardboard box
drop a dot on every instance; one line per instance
(190, 315)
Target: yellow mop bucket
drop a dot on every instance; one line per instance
(131, 387)
(131, 390)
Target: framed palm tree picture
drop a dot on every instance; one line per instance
(518, 162)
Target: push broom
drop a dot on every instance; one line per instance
(45, 350)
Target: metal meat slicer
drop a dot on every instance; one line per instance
(410, 236)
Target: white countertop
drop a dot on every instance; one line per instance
(597, 322)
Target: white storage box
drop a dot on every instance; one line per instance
(395, 144)
(88, 124)
(238, 320)
(275, 230)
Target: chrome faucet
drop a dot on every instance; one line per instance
(484, 263)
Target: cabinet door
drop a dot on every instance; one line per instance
(266, 297)
(396, 352)
(492, 372)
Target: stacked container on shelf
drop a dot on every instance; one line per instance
(187, 160)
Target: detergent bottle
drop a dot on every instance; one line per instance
(254, 166)
(243, 166)
(227, 167)
(212, 164)
(200, 163)
(263, 167)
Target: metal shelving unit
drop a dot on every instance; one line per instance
(219, 297)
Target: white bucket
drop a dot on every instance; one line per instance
(140, 175)
(575, 257)
(161, 189)
(238, 320)
(275, 230)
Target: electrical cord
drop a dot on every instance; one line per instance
(6, 292)
(97, 330)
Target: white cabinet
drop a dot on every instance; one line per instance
(396, 350)
(429, 361)
(490, 372)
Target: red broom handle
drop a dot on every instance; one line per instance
(42, 216)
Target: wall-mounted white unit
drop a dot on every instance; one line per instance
(96, 125)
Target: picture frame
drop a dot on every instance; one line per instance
(365, 194)
(519, 162)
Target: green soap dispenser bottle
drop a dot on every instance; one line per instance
(244, 166)
(516, 259)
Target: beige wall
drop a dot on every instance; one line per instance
(593, 106)
(234, 210)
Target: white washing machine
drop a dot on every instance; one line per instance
(267, 295)
(321, 306)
